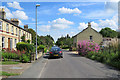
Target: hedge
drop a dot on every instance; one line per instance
(22, 46)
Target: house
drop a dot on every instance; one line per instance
(87, 34)
(107, 41)
(11, 32)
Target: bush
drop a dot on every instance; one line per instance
(87, 46)
(22, 46)
(25, 58)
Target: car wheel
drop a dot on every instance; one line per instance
(61, 56)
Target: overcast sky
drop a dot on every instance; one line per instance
(62, 18)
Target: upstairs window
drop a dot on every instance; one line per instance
(12, 30)
(16, 31)
(0, 25)
(19, 32)
(7, 27)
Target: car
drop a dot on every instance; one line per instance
(55, 52)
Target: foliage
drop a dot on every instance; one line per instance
(108, 32)
(65, 42)
(40, 47)
(8, 55)
(86, 46)
(25, 58)
(104, 56)
(41, 40)
(23, 38)
(22, 46)
(28, 41)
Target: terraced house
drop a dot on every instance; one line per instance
(11, 32)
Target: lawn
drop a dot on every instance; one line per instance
(9, 62)
(2, 73)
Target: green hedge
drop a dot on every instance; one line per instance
(22, 46)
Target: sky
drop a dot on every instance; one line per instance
(61, 18)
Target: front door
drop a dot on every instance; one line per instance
(9, 43)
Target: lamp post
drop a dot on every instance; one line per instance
(37, 5)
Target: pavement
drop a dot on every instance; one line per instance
(70, 66)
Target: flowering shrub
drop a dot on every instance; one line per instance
(87, 46)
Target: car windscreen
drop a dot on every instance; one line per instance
(55, 49)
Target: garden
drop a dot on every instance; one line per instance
(109, 55)
(22, 54)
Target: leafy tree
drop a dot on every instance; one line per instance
(108, 32)
(65, 42)
(23, 38)
(47, 41)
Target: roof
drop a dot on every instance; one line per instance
(84, 30)
(6, 20)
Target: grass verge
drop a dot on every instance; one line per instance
(9, 62)
(2, 73)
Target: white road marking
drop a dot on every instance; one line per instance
(43, 69)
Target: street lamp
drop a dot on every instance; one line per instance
(37, 5)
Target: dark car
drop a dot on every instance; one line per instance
(55, 52)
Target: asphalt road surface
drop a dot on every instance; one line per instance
(70, 66)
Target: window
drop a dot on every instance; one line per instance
(19, 32)
(15, 42)
(3, 42)
(16, 31)
(7, 27)
(12, 30)
(91, 38)
(11, 43)
(0, 25)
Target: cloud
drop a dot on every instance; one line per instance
(8, 13)
(111, 23)
(69, 11)
(20, 14)
(44, 28)
(15, 5)
(60, 23)
(110, 9)
(20, 23)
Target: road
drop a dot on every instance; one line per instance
(70, 66)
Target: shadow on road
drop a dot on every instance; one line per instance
(74, 55)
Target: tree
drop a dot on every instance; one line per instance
(65, 42)
(108, 32)
(23, 38)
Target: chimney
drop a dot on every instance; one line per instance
(2, 13)
(89, 24)
(26, 27)
(15, 21)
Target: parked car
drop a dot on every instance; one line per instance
(55, 52)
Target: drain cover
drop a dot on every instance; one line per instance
(16, 68)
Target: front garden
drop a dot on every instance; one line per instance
(22, 54)
(109, 55)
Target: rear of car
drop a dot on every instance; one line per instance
(55, 52)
